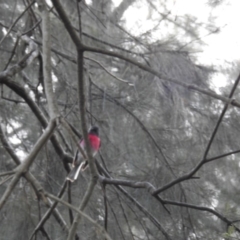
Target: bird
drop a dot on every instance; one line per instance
(79, 163)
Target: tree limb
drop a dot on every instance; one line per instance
(101, 229)
(46, 40)
(81, 98)
(24, 166)
(204, 160)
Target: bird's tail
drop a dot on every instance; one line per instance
(73, 174)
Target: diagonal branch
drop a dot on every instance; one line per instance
(5, 78)
(140, 123)
(53, 109)
(136, 203)
(67, 23)
(31, 179)
(7, 173)
(162, 76)
(49, 212)
(101, 229)
(112, 75)
(151, 189)
(24, 166)
(201, 208)
(69, 129)
(17, 19)
(220, 118)
(146, 68)
(21, 91)
(204, 160)
(24, 62)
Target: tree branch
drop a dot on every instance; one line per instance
(67, 23)
(81, 98)
(5, 78)
(136, 203)
(49, 212)
(31, 179)
(7, 173)
(53, 109)
(161, 76)
(24, 166)
(105, 69)
(151, 189)
(203, 161)
(201, 208)
(16, 20)
(101, 229)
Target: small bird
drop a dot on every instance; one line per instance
(80, 164)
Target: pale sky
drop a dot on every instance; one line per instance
(220, 49)
(224, 45)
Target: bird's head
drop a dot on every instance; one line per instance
(94, 130)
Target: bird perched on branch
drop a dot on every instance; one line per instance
(79, 163)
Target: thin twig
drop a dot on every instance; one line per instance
(16, 20)
(49, 212)
(136, 203)
(204, 160)
(161, 76)
(24, 166)
(101, 229)
(7, 173)
(5, 179)
(52, 105)
(13, 53)
(220, 118)
(105, 69)
(29, 177)
(201, 208)
(116, 219)
(81, 97)
(105, 207)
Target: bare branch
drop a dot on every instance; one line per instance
(201, 208)
(67, 23)
(105, 69)
(19, 90)
(53, 109)
(220, 118)
(162, 76)
(24, 166)
(137, 204)
(32, 48)
(221, 156)
(81, 98)
(127, 183)
(72, 135)
(203, 161)
(6, 179)
(101, 229)
(17, 19)
(49, 212)
(7, 173)
(31, 179)
(151, 189)
(24, 62)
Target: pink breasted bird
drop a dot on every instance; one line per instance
(79, 164)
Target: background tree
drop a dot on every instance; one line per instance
(168, 164)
